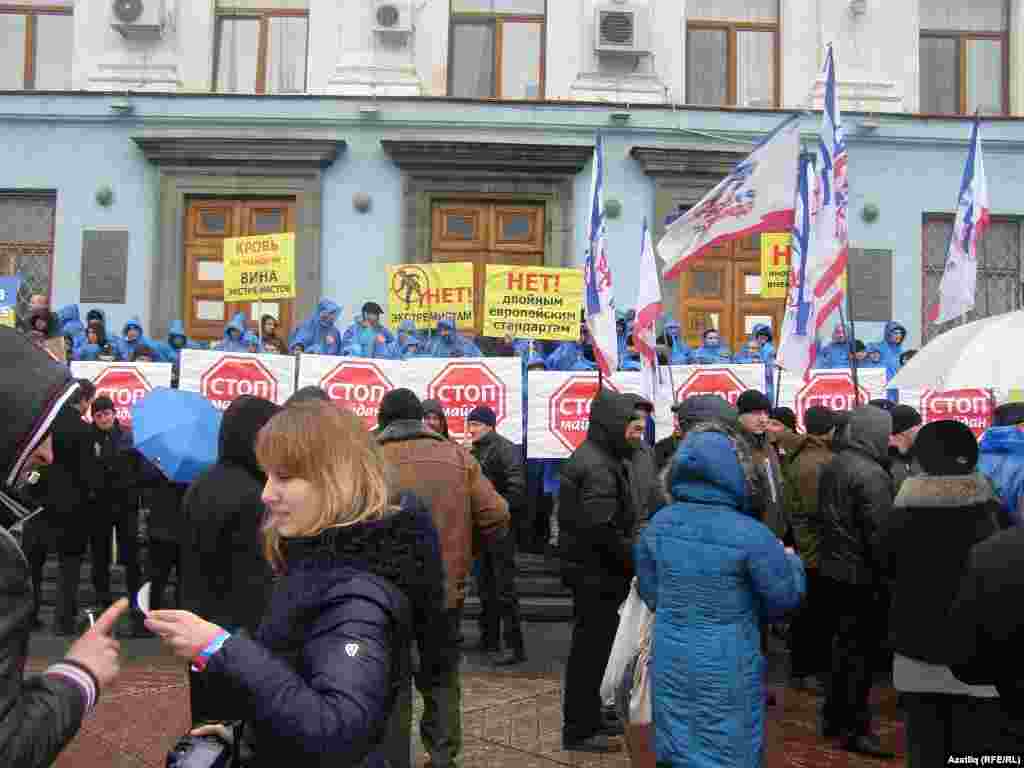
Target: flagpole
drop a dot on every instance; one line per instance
(850, 340)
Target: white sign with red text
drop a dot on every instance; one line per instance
(222, 377)
(973, 407)
(124, 383)
(460, 384)
(830, 388)
(559, 402)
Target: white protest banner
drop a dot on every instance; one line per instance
(559, 402)
(831, 388)
(973, 407)
(124, 383)
(460, 384)
(221, 377)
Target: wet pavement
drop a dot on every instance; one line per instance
(511, 718)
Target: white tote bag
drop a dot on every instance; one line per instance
(633, 616)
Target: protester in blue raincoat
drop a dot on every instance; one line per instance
(132, 337)
(170, 350)
(252, 342)
(406, 333)
(749, 354)
(95, 341)
(1001, 459)
(763, 335)
(872, 356)
(319, 330)
(71, 326)
(413, 348)
(96, 315)
(366, 337)
(712, 351)
(714, 575)
(447, 342)
(836, 354)
(573, 356)
(679, 351)
(234, 336)
(892, 347)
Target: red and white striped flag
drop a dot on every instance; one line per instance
(648, 308)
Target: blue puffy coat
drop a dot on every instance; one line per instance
(364, 340)
(321, 334)
(125, 347)
(1001, 460)
(705, 355)
(891, 351)
(170, 350)
(71, 325)
(713, 574)
(452, 345)
(234, 345)
(680, 352)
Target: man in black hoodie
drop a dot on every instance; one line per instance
(598, 517)
(855, 496)
(224, 575)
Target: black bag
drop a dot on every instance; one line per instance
(202, 752)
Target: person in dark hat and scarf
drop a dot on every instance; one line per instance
(686, 415)
(41, 713)
(366, 337)
(434, 417)
(224, 575)
(755, 409)
(947, 509)
(906, 423)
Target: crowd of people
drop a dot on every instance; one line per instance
(323, 570)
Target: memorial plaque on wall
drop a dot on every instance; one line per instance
(870, 284)
(104, 266)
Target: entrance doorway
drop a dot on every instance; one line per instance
(723, 290)
(487, 233)
(208, 221)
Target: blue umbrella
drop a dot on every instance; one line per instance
(177, 431)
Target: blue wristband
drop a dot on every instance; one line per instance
(203, 657)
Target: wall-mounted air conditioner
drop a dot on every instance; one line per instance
(392, 17)
(138, 19)
(622, 29)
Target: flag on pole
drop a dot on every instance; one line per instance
(831, 191)
(597, 275)
(957, 289)
(756, 197)
(798, 347)
(648, 307)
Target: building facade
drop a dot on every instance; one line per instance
(139, 134)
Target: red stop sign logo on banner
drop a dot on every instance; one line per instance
(972, 407)
(712, 381)
(359, 387)
(569, 409)
(231, 377)
(828, 390)
(125, 386)
(461, 387)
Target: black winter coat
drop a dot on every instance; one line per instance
(946, 515)
(597, 506)
(502, 463)
(70, 479)
(118, 471)
(855, 496)
(318, 682)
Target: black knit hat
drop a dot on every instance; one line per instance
(786, 416)
(946, 448)
(752, 400)
(903, 418)
(482, 414)
(818, 420)
(397, 405)
(32, 390)
(1008, 414)
(372, 308)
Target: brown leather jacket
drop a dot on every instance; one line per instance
(447, 477)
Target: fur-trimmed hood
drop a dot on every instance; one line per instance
(949, 491)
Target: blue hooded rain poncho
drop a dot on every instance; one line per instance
(711, 353)
(1001, 460)
(170, 350)
(749, 354)
(234, 342)
(891, 349)
(447, 342)
(767, 350)
(319, 330)
(837, 353)
(71, 326)
(361, 339)
(126, 347)
(874, 358)
(713, 574)
(679, 351)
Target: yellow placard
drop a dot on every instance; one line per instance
(533, 302)
(7, 317)
(259, 268)
(426, 293)
(1015, 396)
(775, 257)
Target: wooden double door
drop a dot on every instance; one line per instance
(722, 290)
(485, 233)
(208, 222)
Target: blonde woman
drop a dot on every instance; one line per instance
(358, 571)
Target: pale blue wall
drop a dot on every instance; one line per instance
(73, 143)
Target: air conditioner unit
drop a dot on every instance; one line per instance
(622, 29)
(392, 17)
(138, 19)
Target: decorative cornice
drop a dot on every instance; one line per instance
(293, 152)
(466, 157)
(684, 162)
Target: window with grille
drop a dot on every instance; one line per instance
(964, 57)
(26, 241)
(496, 49)
(999, 269)
(732, 54)
(36, 47)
